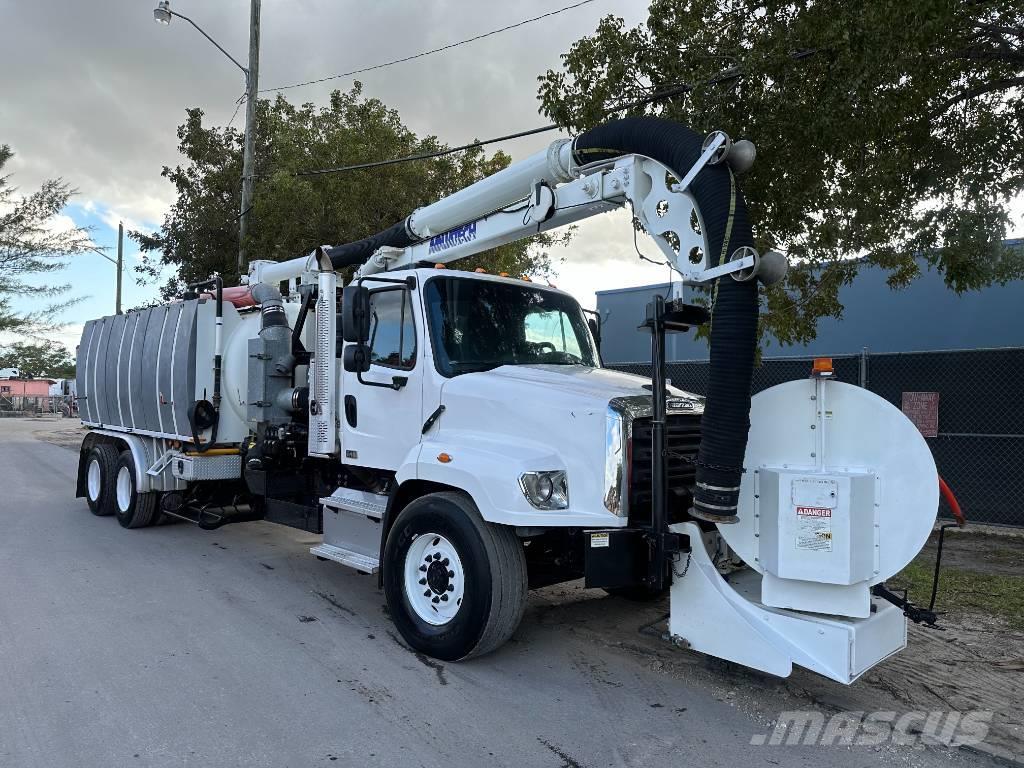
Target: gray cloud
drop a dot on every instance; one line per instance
(94, 90)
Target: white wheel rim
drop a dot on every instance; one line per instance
(124, 489)
(435, 582)
(93, 480)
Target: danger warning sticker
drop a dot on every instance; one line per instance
(814, 511)
(814, 529)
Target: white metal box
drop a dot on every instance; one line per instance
(816, 529)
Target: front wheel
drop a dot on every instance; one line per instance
(455, 584)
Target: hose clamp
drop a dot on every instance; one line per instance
(726, 517)
(726, 489)
(717, 507)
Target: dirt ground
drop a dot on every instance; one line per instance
(971, 664)
(67, 433)
(974, 661)
(982, 549)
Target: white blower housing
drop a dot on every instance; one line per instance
(839, 493)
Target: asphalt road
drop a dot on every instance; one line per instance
(171, 646)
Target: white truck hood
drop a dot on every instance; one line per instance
(573, 383)
(541, 417)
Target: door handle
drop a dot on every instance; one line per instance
(397, 382)
(351, 413)
(431, 419)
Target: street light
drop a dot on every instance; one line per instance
(118, 262)
(163, 14)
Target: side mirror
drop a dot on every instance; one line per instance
(595, 330)
(355, 314)
(356, 358)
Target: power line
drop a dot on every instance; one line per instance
(667, 92)
(430, 52)
(428, 155)
(657, 96)
(238, 105)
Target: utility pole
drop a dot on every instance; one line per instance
(251, 88)
(120, 265)
(163, 14)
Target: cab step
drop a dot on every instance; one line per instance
(357, 502)
(351, 558)
(352, 528)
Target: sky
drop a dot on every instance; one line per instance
(107, 88)
(94, 91)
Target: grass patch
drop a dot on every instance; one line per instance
(963, 592)
(1014, 557)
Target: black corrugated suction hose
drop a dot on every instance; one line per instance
(726, 421)
(351, 254)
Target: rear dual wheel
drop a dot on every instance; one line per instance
(133, 509)
(100, 469)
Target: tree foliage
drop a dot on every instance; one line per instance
(291, 213)
(31, 246)
(46, 358)
(885, 130)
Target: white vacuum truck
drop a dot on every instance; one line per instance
(456, 433)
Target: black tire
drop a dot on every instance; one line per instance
(638, 593)
(495, 578)
(139, 509)
(104, 457)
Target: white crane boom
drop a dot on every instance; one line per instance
(543, 192)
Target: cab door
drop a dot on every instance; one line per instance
(382, 409)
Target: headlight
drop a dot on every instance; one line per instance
(616, 458)
(546, 490)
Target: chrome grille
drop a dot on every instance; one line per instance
(682, 441)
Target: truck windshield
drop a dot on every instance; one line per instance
(476, 325)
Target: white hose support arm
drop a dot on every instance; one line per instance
(665, 210)
(553, 165)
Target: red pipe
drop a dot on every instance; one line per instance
(238, 296)
(954, 505)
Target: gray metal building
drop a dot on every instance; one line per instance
(964, 352)
(924, 316)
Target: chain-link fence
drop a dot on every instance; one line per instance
(979, 438)
(37, 405)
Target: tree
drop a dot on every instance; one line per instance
(32, 245)
(292, 214)
(34, 360)
(886, 131)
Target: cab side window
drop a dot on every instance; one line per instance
(392, 330)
